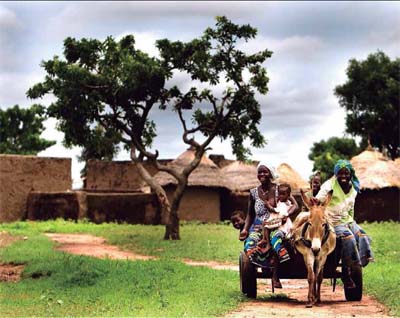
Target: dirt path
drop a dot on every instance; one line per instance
(333, 303)
(292, 305)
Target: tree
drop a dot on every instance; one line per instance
(325, 154)
(20, 130)
(371, 98)
(114, 85)
(100, 145)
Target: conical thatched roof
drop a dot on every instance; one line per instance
(286, 174)
(375, 171)
(240, 176)
(206, 174)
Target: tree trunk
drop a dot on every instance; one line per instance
(172, 228)
(169, 210)
(163, 202)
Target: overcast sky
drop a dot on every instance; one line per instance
(312, 43)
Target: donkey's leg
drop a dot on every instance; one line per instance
(319, 278)
(309, 261)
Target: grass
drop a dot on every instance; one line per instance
(164, 287)
(200, 242)
(120, 288)
(382, 278)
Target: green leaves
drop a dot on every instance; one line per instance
(106, 84)
(20, 130)
(325, 154)
(112, 85)
(214, 59)
(371, 100)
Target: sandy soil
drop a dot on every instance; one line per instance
(9, 272)
(333, 303)
(89, 245)
(292, 305)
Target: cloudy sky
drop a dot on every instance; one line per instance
(312, 43)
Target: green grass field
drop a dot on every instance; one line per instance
(58, 284)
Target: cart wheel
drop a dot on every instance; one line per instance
(355, 294)
(248, 277)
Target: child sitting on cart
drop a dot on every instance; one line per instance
(278, 224)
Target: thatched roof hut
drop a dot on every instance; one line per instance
(286, 174)
(206, 174)
(380, 187)
(375, 171)
(240, 176)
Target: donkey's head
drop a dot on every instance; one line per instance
(316, 229)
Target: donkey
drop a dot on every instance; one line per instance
(315, 240)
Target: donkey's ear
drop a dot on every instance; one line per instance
(305, 199)
(328, 198)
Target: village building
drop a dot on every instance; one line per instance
(202, 198)
(114, 191)
(379, 178)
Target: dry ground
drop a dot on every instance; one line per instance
(292, 305)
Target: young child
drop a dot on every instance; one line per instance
(303, 216)
(238, 219)
(278, 224)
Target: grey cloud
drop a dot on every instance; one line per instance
(145, 11)
(10, 28)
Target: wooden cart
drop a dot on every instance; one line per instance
(295, 268)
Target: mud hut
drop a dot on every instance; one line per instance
(286, 174)
(239, 178)
(379, 178)
(202, 198)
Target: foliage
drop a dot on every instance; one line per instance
(214, 59)
(371, 99)
(100, 145)
(325, 154)
(116, 86)
(20, 130)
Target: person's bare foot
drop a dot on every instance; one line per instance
(264, 247)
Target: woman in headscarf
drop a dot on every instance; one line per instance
(262, 202)
(356, 248)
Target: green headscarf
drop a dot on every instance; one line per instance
(346, 164)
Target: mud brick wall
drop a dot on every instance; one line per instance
(116, 176)
(19, 175)
(52, 205)
(132, 208)
(198, 203)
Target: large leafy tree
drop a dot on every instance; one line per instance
(371, 98)
(20, 130)
(116, 86)
(326, 153)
